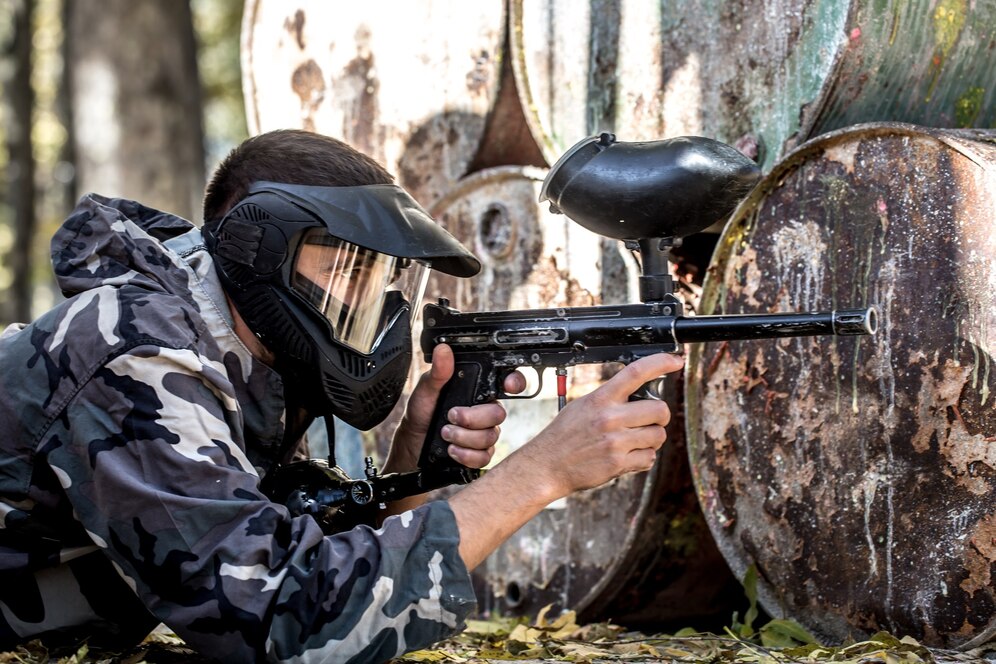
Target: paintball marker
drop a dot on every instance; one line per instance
(647, 194)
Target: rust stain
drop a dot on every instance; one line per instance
(717, 358)
(723, 421)
(295, 26)
(479, 77)
(981, 554)
(359, 84)
(749, 275)
(936, 397)
(308, 84)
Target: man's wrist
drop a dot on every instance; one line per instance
(402, 456)
(532, 476)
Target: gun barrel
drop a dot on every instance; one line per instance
(849, 322)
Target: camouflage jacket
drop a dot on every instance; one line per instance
(134, 423)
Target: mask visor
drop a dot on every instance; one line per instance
(351, 287)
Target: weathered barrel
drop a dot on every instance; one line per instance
(638, 550)
(409, 83)
(859, 474)
(752, 72)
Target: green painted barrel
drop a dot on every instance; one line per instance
(858, 474)
(409, 83)
(760, 74)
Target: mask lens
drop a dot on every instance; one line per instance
(351, 287)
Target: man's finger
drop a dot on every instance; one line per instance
(629, 380)
(471, 458)
(645, 412)
(469, 438)
(481, 416)
(515, 382)
(640, 460)
(442, 366)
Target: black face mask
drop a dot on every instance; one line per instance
(254, 248)
(328, 378)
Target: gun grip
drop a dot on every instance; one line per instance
(460, 390)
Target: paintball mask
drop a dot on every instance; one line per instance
(330, 279)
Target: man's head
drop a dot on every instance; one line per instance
(290, 156)
(325, 261)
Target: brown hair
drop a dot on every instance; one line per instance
(289, 156)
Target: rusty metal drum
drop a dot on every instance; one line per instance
(858, 475)
(761, 74)
(409, 83)
(637, 551)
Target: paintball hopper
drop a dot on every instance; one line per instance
(654, 189)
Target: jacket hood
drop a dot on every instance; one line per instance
(114, 241)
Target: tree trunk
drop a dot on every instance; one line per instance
(21, 165)
(136, 102)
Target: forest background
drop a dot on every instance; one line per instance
(127, 98)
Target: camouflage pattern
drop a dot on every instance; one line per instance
(135, 427)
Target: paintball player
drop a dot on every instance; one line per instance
(140, 414)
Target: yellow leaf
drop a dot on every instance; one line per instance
(564, 626)
(525, 634)
(541, 616)
(580, 652)
(424, 656)
(526, 650)
(495, 626)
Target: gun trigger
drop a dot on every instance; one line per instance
(504, 395)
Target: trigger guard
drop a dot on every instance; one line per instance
(504, 395)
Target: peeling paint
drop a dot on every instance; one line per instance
(781, 70)
(843, 153)
(877, 464)
(419, 110)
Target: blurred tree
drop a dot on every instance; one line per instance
(136, 102)
(20, 169)
(218, 24)
(155, 154)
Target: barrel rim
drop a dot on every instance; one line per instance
(249, 87)
(494, 174)
(520, 68)
(958, 139)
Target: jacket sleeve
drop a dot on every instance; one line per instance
(150, 456)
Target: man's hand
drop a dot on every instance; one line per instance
(596, 438)
(472, 430)
(603, 435)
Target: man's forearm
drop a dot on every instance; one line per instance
(492, 508)
(596, 438)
